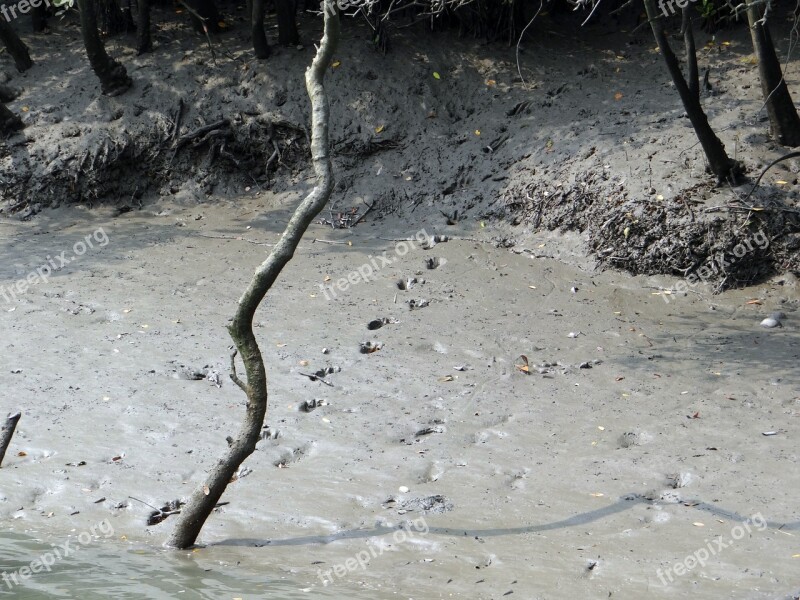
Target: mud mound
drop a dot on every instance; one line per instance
(730, 245)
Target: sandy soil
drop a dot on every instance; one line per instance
(630, 465)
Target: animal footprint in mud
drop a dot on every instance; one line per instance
(436, 239)
(292, 455)
(418, 303)
(432, 473)
(517, 479)
(308, 405)
(634, 438)
(435, 262)
(407, 283)
(370, 347)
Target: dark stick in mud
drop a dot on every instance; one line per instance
(7, 432)
(205, 497)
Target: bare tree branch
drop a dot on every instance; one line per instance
(205, 498)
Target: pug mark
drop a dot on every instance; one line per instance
(434, 262)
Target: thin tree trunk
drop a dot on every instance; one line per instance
(257, 33)
(113, 77)
(10, 425)
(721, 165)
(15, 46)
(7, 94)
(113, 20)
(287, 22)
(693, 75)
(783, 118)
(39, 18)
(203, 500)
(144, 43)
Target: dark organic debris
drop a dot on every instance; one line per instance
(308, 405)
(378, 323)
(321, 374)
(430, 430)
(159, 514)
(430, 504)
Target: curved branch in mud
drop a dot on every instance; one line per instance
(204, 499)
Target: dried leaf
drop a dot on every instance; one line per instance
(206, 491)
(446, 378)
(379, 128)
(618, 96)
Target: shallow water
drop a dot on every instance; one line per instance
(106, 569)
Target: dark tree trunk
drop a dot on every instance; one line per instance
(693, 76)
(143, 41)
(39, 18)
(9, 122)
(7, 94)
(113, 77)
(15, 46)
(205, 497)
(7, 431)
(783, 118)
(257, 33)
(721, 165)
(114, 20)
(287, 22)
(204, 15)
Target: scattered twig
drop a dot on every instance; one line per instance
(235, 239)
(358, 220)
(205, 28)
(327, 241)
(201, 131)
(176, 125)
(234, 377)
(313, 377)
